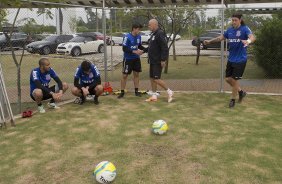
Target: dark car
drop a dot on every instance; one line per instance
(207, 36)
(18, 40)
(48, 45)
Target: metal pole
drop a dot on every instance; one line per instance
(222, 48)
(6, 99)
(105, 44)
(112, 70)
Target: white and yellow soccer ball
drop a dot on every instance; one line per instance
(159, 127)
(105, 172)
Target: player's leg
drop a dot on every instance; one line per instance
(37, 96)
(127, 69)
(160, 82)
(78, 92)
(239, 69)
(136, 70)
(96, 90)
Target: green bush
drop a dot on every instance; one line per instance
(268, 48)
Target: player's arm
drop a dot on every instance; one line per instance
(251, 39)
(140, 46)
(76, 83)
(97, 82)
(164, 47)
(43, 88)
(214, 40)
(60, 84)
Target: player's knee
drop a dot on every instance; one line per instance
(65, 86)
(99, 89)
(75, 91)
(228, 79)
(37, 93)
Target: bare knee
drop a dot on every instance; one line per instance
(37, 94)
(99, 89)
(65, 86)
(75, 91)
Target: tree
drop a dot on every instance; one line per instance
(267, 48)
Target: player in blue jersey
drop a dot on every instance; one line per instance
(239, 36)
(132, 48)
(39, 85)
(87, 81)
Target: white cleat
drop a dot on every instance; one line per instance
(53, 106)
(170, 94)
(41, 109)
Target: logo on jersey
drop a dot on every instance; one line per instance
(234, 40)
(48, 77)
(238, 33)
(91, 75)
(34, 75)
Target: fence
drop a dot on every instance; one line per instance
(183, 73)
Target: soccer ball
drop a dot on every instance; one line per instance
(105, 172)
(159, 127)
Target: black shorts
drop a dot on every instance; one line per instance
(235, 70)
(131, 64)
(156, 71)
(46, 95)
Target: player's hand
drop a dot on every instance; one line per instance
(59, 95)
(206, 42)
(163, 64)
(55, 96)
(85, 91)
(245, 42)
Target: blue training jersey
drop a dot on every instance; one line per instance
(237, 51)
(87, 79)
(44, 78)
(131, 42)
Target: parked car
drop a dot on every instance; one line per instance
(145, 36)
(170, 36)
(100, 36)
(207, 36)
(18, 40)
(81, 44)
(48, 45)
(117, 39)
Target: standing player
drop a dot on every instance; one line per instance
(87, 81)
(132, 48)
(39, 85)
(157, 55)
(239, 37)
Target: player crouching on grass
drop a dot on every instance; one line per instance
(239, 37)
(87, 81)
(39, 85)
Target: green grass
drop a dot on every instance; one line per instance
(206, 143)
(183, 68)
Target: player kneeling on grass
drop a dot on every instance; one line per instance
(87, 81)
(39, 85)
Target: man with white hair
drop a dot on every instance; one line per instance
(158, 53)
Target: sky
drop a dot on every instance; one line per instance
(80, 12)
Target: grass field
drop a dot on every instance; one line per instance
(207, 142)
(183, 68)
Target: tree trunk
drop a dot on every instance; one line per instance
(174, 51)
(198, 51)
(166, 66)
(19, 88)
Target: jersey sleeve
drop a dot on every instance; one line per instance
(53, 73)
(248, 31)
(77, 73)
(125, 41)
(35, 75)
(95, 71)
(225, 34)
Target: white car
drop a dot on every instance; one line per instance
(170, 36)
(81, 44)
(117, 39)
(145, 36)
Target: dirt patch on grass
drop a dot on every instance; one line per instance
(52, 142)
(78, 130)
(27, 178)
(26, 162)
(29, 140)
